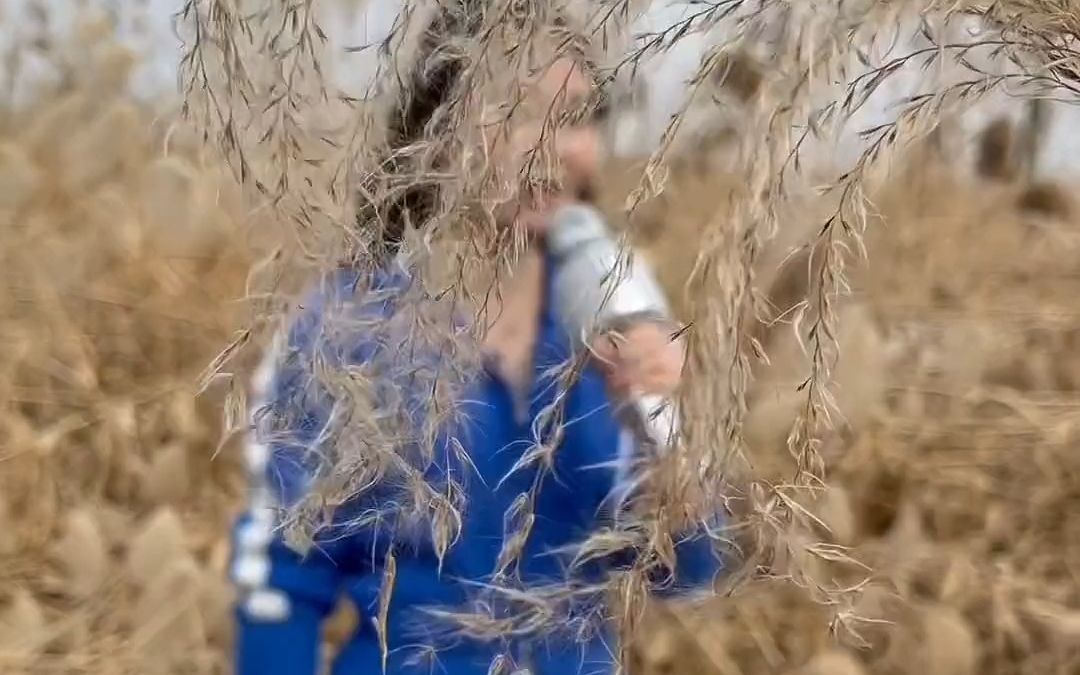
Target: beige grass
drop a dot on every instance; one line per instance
(121, 263)
(954, 476)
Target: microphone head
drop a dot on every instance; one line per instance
(592, 290)
(574, 225)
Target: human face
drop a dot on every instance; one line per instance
(562, 88)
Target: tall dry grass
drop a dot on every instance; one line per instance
(952, 466)
(950, 472)
(123, 261)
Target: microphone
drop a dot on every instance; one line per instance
(592, 294)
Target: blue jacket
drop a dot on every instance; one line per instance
(284, 596)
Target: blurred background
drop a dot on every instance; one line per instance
(125, 248)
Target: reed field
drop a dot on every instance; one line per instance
(946, 529)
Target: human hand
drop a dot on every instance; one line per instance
(645, 358)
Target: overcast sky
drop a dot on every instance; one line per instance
(146, 27)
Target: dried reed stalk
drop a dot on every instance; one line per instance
(265, 65)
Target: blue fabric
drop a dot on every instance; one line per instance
(567, 510)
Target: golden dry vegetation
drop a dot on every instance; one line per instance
(954, 475)
(122, 258)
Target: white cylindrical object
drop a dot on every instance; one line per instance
(592, 294)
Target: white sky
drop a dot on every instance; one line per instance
(146, 27)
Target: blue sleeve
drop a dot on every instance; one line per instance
(283, 599)
(698, 560)
(283, 596)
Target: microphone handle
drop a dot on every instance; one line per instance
(651, 417)
(648, 422)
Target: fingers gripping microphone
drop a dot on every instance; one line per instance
(592, 294)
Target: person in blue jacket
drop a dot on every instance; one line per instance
(284, 596)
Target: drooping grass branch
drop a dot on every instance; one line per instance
(254, 84)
